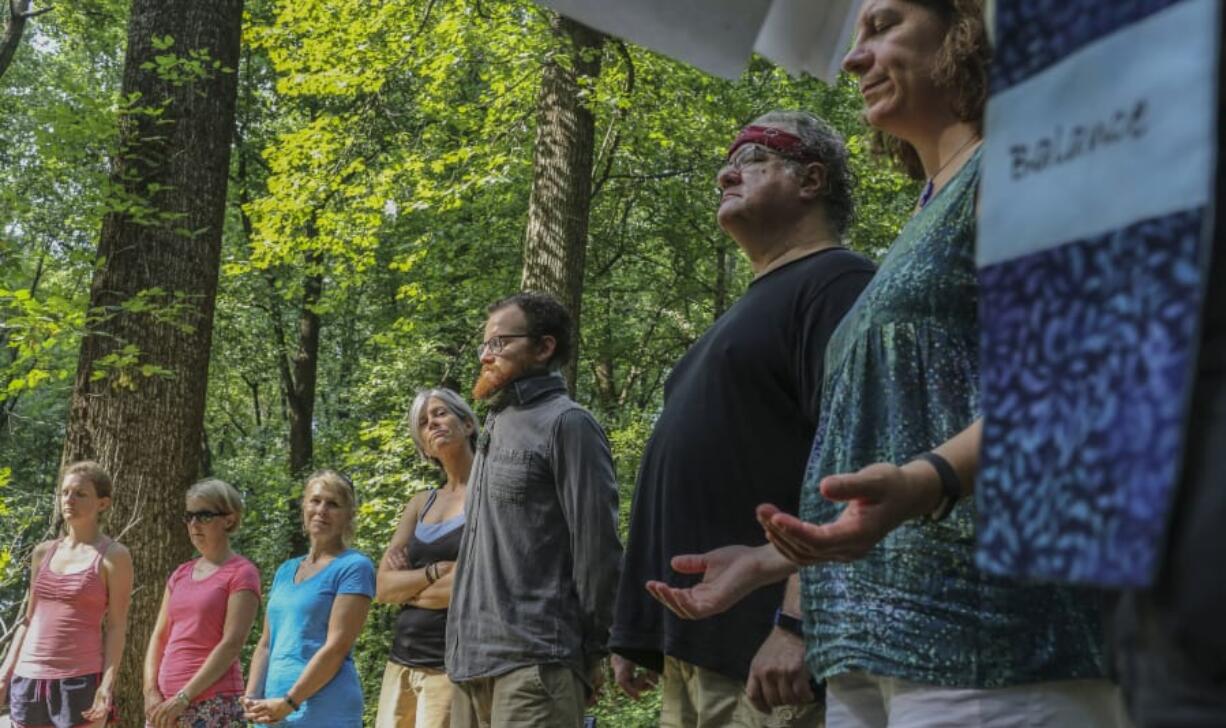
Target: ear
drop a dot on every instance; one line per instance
(104, 503)
(813, 181)
(545, 348)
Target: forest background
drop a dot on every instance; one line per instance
(393, 167)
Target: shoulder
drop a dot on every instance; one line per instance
(243, 575)
(242, 566)
(839, 264)
(180, 572)
(287, 568)
(355, 574)
(352, 559)
(418, 501)
(41, 551)
(116, 554)
(838, 273)
(576, 421)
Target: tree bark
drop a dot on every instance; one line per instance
(555, 244)
(165, 244)
(14, 27)
(303, 371)
(299, 374)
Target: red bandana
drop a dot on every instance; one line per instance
(789, 145)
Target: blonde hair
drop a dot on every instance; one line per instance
(342, 487)
(91, 471)
(220, 495)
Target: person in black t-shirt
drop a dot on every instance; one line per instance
(740, 412)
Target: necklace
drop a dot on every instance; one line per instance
(929, 189)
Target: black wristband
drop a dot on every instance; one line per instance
(292, 703)
(788, 623)
(951, 487)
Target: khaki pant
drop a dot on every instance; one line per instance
(533, 696)
(694, 697)
(414, 697)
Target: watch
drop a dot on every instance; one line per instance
(788, 623)
(951, 487)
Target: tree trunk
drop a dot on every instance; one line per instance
(300, 386)
(14, 27)
(146, 427)
(555, 244)
(299, 374)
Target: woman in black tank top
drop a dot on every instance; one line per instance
(416, 568)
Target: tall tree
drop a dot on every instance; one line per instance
(555, 246)
(139, 395)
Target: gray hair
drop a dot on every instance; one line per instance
(453, 402)
(220, 495)
(826, 145)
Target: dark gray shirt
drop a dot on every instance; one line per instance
(540, 556)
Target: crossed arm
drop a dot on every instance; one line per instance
(396, 583)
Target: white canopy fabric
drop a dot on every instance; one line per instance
(719, 36)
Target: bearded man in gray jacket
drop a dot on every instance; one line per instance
(539, 560)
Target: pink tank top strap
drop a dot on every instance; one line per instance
(46, 562)
(102, 548)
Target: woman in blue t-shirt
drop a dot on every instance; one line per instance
(302, 671)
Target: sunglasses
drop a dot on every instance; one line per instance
(202, 516)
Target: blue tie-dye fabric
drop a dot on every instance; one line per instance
(902, 376)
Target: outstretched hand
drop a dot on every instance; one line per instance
(879, 498)
(728, 574)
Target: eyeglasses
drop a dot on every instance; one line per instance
(747, 155)
(203, 517)
(495, 344)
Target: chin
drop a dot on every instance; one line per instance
(726, 217)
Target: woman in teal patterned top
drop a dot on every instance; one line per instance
(908, 631)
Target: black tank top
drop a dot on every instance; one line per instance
(419, 639)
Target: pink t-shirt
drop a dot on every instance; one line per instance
(197, 614)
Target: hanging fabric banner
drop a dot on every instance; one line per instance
(719, 36)
(1098, 171)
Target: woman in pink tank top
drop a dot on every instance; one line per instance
(192, 675)
(61, 667)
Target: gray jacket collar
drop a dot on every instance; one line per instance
(530, 388)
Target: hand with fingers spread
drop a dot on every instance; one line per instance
(879, 498)
(778, 674)
(728, 574)
(632, 679)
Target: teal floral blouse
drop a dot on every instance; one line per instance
(902, 376)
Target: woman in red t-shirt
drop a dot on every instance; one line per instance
(192, 673)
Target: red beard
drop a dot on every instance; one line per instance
(490, 380)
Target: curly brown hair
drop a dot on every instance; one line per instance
(961, 65)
